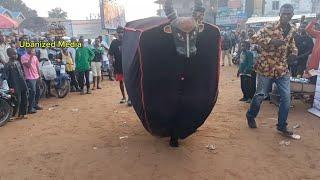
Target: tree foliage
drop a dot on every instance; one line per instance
(35, 24)
(57, 13)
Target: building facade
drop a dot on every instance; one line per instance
(259, 7)
(315, 6)
(225, 12)
(17, 16)
(272, 7)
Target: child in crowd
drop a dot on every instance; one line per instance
(245, 72)
(16, 81)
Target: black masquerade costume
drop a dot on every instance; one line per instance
(171, 70)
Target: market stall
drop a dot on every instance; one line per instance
(301, 88)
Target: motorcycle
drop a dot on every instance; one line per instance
(6, 105)
(60, 84)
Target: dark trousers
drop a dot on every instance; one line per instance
(248, 86)
(74, 82)
(34, 93)
(21, 103)
(83, 76)
(48, 84)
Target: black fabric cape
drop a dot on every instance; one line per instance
(168, 90)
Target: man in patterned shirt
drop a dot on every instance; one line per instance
(278, 48)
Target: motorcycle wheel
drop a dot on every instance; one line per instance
(5, 112)
(64, 90)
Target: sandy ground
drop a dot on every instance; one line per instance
(68, 144)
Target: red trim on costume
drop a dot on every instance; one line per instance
(141, 86)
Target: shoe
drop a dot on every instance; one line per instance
(93, 89)
(243, 99)
(22, 117)
(123, 101)
(89, 92)
(82, 92)
(99, 87)
(38, 108)
(285, 132)
(251, 123)
(129, 103)
(32, 111)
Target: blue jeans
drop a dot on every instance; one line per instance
(283, 85)
(34, 94)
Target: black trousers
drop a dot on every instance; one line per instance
(248, 86)
(21, 103)
(74, 82)
(48, 84)
(83, 76)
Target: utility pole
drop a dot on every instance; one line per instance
(102, 15)
(263, 7)
(215, 10)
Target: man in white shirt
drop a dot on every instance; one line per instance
(3, 50)
(106, 64)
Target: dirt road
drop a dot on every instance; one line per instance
(80, 139)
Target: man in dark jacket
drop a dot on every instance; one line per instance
(116, 58)
(226, 48)
(16, 81)
(305, 45)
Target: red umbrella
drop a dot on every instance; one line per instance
(7, 23)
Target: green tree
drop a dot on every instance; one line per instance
(57, 13)
(35, 24)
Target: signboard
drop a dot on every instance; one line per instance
(113, 14)
(57, 29)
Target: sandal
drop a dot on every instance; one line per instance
(12, 119)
